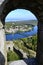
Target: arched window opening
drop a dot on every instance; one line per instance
(21, 34)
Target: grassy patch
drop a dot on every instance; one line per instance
(11, 56)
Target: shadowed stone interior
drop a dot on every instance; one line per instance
(2, 59)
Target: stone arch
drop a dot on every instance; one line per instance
(36, 6)
(29, 5)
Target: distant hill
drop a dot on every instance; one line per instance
(26, 22)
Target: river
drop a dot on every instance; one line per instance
(22, 34)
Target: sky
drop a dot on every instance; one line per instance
(20, 15)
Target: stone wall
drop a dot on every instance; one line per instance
(3, 53)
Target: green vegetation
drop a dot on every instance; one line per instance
(11, 56)
(30, 42)
(28, 45)
(9, 24)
